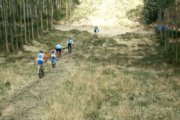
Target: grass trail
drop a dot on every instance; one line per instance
(121, 75)
(113, 78)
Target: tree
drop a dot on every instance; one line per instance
(22, 21)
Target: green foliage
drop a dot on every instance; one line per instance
(152, 7)
(77, 2)
(58, 15)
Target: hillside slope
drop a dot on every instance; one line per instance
(120, 75)
(105, 12)
(117, 78)
(113, 17)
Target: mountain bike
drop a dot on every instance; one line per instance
(53, 62)
(41, 72)
(95, 35)
(59, 53)
(96, 31)
(69, 48)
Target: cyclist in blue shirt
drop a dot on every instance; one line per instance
(59, 49)
(41, 59)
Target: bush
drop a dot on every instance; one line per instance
(58, 15)
(152, 7)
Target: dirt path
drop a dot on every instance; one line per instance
(106, 31)
(34, 98)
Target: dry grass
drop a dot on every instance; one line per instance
(105, 80)
(15, 75)
(101, 88)
(106, 93)
(118, 78)
(18, 70)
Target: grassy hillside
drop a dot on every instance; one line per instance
(121, 77)
(117, 78)
(104, 12)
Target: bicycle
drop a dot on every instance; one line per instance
(41, 72)
(53, 65)
(96, 30)
(95, 35)
(59, 53)
(53, 61)
(69, 48)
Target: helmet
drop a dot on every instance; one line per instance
(53, 51)
(41, 51)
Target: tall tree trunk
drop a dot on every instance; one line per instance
(49, 13)
(14, 24)
(70, 7)
(28, 20)
(12, 39)
(21, 17)
(5, 26)
(42, 14)
(10, 25)
(67, 10)
(52, 11)
(47, 17)
(37, 21)
(165, 36)
(24, 12)
(32, 21)
(1, 24)
(176, 31)
(60, 4)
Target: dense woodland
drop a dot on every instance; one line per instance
(166, 14)
(22, 21)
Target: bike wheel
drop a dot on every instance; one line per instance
(53, 65)
(53, 62)
(41, 72)
(70, 50)
(59, 54)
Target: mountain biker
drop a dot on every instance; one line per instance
(53, 55)
(70, 43)
(96, 29)
(59, 49)
(41, 59)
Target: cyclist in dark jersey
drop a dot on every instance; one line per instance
(96, 30)
(70, 44)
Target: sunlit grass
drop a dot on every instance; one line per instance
(105, 80)
(106, 93)
(106, 88)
